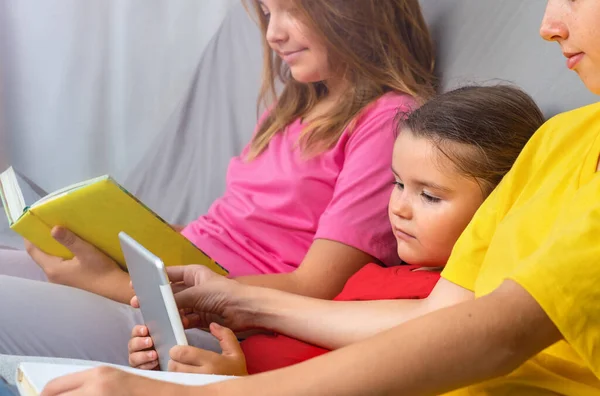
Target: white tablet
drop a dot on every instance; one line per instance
(157, 303)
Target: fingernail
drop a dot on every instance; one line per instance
(147, 342)
(216, 326)
(151, 355)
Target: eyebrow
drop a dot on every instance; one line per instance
(424, 183)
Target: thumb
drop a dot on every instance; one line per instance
(227, 339)
(68, 239)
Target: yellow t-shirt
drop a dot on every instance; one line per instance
(541, 228)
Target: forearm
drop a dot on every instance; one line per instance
(284, 282)
(114, 286)
(330, 324)
(334, 324)
(448, 349)
(323, 272)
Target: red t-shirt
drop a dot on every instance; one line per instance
(372, 282)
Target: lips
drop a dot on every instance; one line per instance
(573, 59)
(400, 234)
(287, 53)
(290, 56)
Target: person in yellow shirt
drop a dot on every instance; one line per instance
(517, 311)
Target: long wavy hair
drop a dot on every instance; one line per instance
(380, 46)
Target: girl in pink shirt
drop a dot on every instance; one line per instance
(305, 203)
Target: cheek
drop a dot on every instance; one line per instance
(590, 67)
(438, 234)
(450, 224)
(321, 58)
(393, 199)
(311, 69)
(318, 62)
(589, 71)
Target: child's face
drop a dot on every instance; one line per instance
(575, 25)
(431, 203)
(294, 43)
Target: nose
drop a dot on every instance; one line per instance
(553, 26)
(400, 205)
(276, 31)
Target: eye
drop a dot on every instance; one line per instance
(265, 12)
(430, 198)
(399, 185)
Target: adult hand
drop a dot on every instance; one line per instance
(205, 297)
(108, 381)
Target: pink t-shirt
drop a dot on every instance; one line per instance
(275, 206)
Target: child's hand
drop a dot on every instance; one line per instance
(141, 349)
(231, 361)
(89, 269)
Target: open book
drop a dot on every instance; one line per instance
(33, 377)
(96, 210)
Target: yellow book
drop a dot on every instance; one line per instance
(97, 210)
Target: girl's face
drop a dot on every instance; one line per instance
(431, 203)
(301, 49)
(575, 26)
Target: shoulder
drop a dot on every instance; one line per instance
(375, 127)
(382, 114)
(572, 121)
(582, 113)
(391, 103)
(568, 130)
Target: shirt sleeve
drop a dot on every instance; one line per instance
(563, 275)
(471, 248)
(357, 214)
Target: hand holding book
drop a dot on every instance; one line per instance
(89, 269)
(96, 211)
(108, 381)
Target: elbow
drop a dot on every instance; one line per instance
(521, 328)
(505, 359)
(510, 344)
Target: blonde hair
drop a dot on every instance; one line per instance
(381, 46)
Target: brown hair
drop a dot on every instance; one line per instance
(494, 123)
(380, 46)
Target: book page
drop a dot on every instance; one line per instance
(11, 195)
(59, 193)
(35, 376)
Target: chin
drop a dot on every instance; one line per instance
(409, 256)
(305, 77)
(412, 257)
